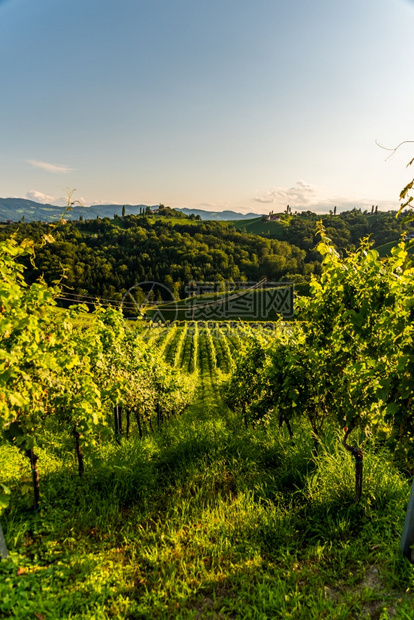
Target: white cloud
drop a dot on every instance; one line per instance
(49, 167)
(95, 203)
(268, 198)
(304, 196)
(346, 204)
(301, 194)
(33, 194)
(60, 201)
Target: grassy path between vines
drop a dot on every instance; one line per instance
(206, 519)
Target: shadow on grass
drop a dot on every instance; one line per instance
(199, 462)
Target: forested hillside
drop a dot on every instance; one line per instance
(345, 229)
(104, 257)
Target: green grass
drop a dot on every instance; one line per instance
(206, 519)
(171, 220)
(385, 250)
(256, 226)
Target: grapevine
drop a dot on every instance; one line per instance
(193, 361)
(74, 370)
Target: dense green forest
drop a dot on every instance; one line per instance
(104, 258)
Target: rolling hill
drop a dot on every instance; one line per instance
(256, 226)
(14, 209)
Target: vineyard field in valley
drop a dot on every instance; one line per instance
(202, 469)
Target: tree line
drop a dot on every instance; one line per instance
(104, 258)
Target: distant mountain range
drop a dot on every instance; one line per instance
(220, 216)
(13, 209)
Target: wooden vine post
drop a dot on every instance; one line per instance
(407, 538)
(35, 477)
(358, 455)
(79, 455)
(3, 547)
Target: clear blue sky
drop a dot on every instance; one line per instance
(241, 104)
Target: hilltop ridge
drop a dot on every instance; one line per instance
(13, 209)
